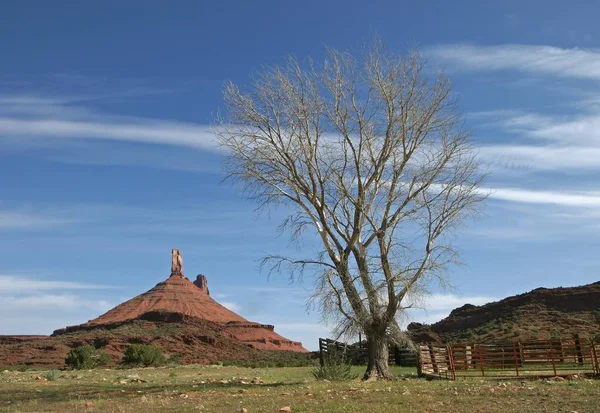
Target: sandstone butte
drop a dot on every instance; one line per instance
(177, 294)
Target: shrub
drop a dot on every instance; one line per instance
(336, 367)
(51, 375)
(143, 354)
(86, 357)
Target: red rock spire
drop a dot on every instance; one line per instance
(176, 263)
(202, 283)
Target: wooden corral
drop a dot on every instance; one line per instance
(536, 358)
(357, 353)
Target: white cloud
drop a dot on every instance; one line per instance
(438, 306)
(551, 143)
(29, 220)
(53, 302)
(23, 118)
(19, 284)
(573, 63)
(35, 308)
(138, 130)
(446, 302)
(231, 306)
(438, 302)
(44, 313)
(307, 333)
(527, 196)
(541, 158)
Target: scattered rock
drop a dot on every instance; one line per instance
(40, 378)
(285, 409)
(89, 404)
(243, 410)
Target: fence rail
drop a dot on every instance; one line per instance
(358, 353)
(518, 359)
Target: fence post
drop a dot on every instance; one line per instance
(481, 366)
(521, 353)
(516, 358)
(578, 349)
(434, 365)
(552, 356)
(595, 366)
(562, 351)
(450, 355)
(321, 357)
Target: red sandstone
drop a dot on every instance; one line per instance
(177, 294)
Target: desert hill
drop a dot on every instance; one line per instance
(177, 316)
(189, 339)
(176, 294)
(539, 314)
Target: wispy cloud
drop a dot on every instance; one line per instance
(434, 307)
(306, 332)
(20, 284)
(541, 157)
(39, 306)
(42, 313)
(31, 117)
(231, 306)
(538, 59)
(55, 302)
(527, 196)
(28, 220)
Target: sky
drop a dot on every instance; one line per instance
(107, 161)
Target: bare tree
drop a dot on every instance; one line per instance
(371, 155)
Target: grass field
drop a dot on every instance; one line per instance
(228, 389)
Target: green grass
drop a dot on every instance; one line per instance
(227, 389)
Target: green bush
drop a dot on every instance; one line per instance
(336, 367)
(86, 357)
(143, 354)
(51, 375)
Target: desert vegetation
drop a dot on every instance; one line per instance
(143, 355)
(86, 357)
(227, 389)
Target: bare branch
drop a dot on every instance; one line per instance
(370, 156)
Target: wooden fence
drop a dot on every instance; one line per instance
(530, 358)
(357, 353)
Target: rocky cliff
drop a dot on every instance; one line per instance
(539, 314)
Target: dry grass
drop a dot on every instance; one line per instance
(227, 389)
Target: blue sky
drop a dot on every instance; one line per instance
(107, 162)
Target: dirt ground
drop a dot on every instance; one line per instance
(230, 389)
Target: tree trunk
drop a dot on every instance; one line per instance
(378, 358)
